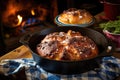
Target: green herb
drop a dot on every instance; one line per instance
(111, 26)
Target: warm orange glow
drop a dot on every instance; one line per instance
(19, 19)
(32, 12)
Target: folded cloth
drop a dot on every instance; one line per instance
(109, 69)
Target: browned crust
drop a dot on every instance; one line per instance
(75, 16)
(67, 46)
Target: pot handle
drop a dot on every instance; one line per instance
(109, 50)
(25, 39)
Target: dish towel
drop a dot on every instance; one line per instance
(108, 70)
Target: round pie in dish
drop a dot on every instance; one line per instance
(75, 16)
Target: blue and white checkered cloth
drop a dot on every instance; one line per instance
(109, 69)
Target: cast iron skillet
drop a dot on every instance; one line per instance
(68, 67)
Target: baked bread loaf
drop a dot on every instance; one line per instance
(70, 46)
(75, 16)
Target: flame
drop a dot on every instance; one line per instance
(32, 12)
(19, 19)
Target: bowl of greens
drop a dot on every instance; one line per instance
(111, 29)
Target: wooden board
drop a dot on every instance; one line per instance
(20, 52)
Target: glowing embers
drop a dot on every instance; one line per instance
(32, 16)
(19, 20)
(32, 12)
(30, 22)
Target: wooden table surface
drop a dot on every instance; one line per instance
(20, 52)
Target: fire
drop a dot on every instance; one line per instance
(19, 19)
(32, 12)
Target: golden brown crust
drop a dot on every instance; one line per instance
(67, 46)
(75, 16)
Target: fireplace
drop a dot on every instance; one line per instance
(19, 17)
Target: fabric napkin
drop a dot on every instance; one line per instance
(109, 69)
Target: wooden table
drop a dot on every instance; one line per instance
(24, 52)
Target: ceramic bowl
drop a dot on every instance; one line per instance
(114, 37)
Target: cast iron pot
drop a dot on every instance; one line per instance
(68, 67)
